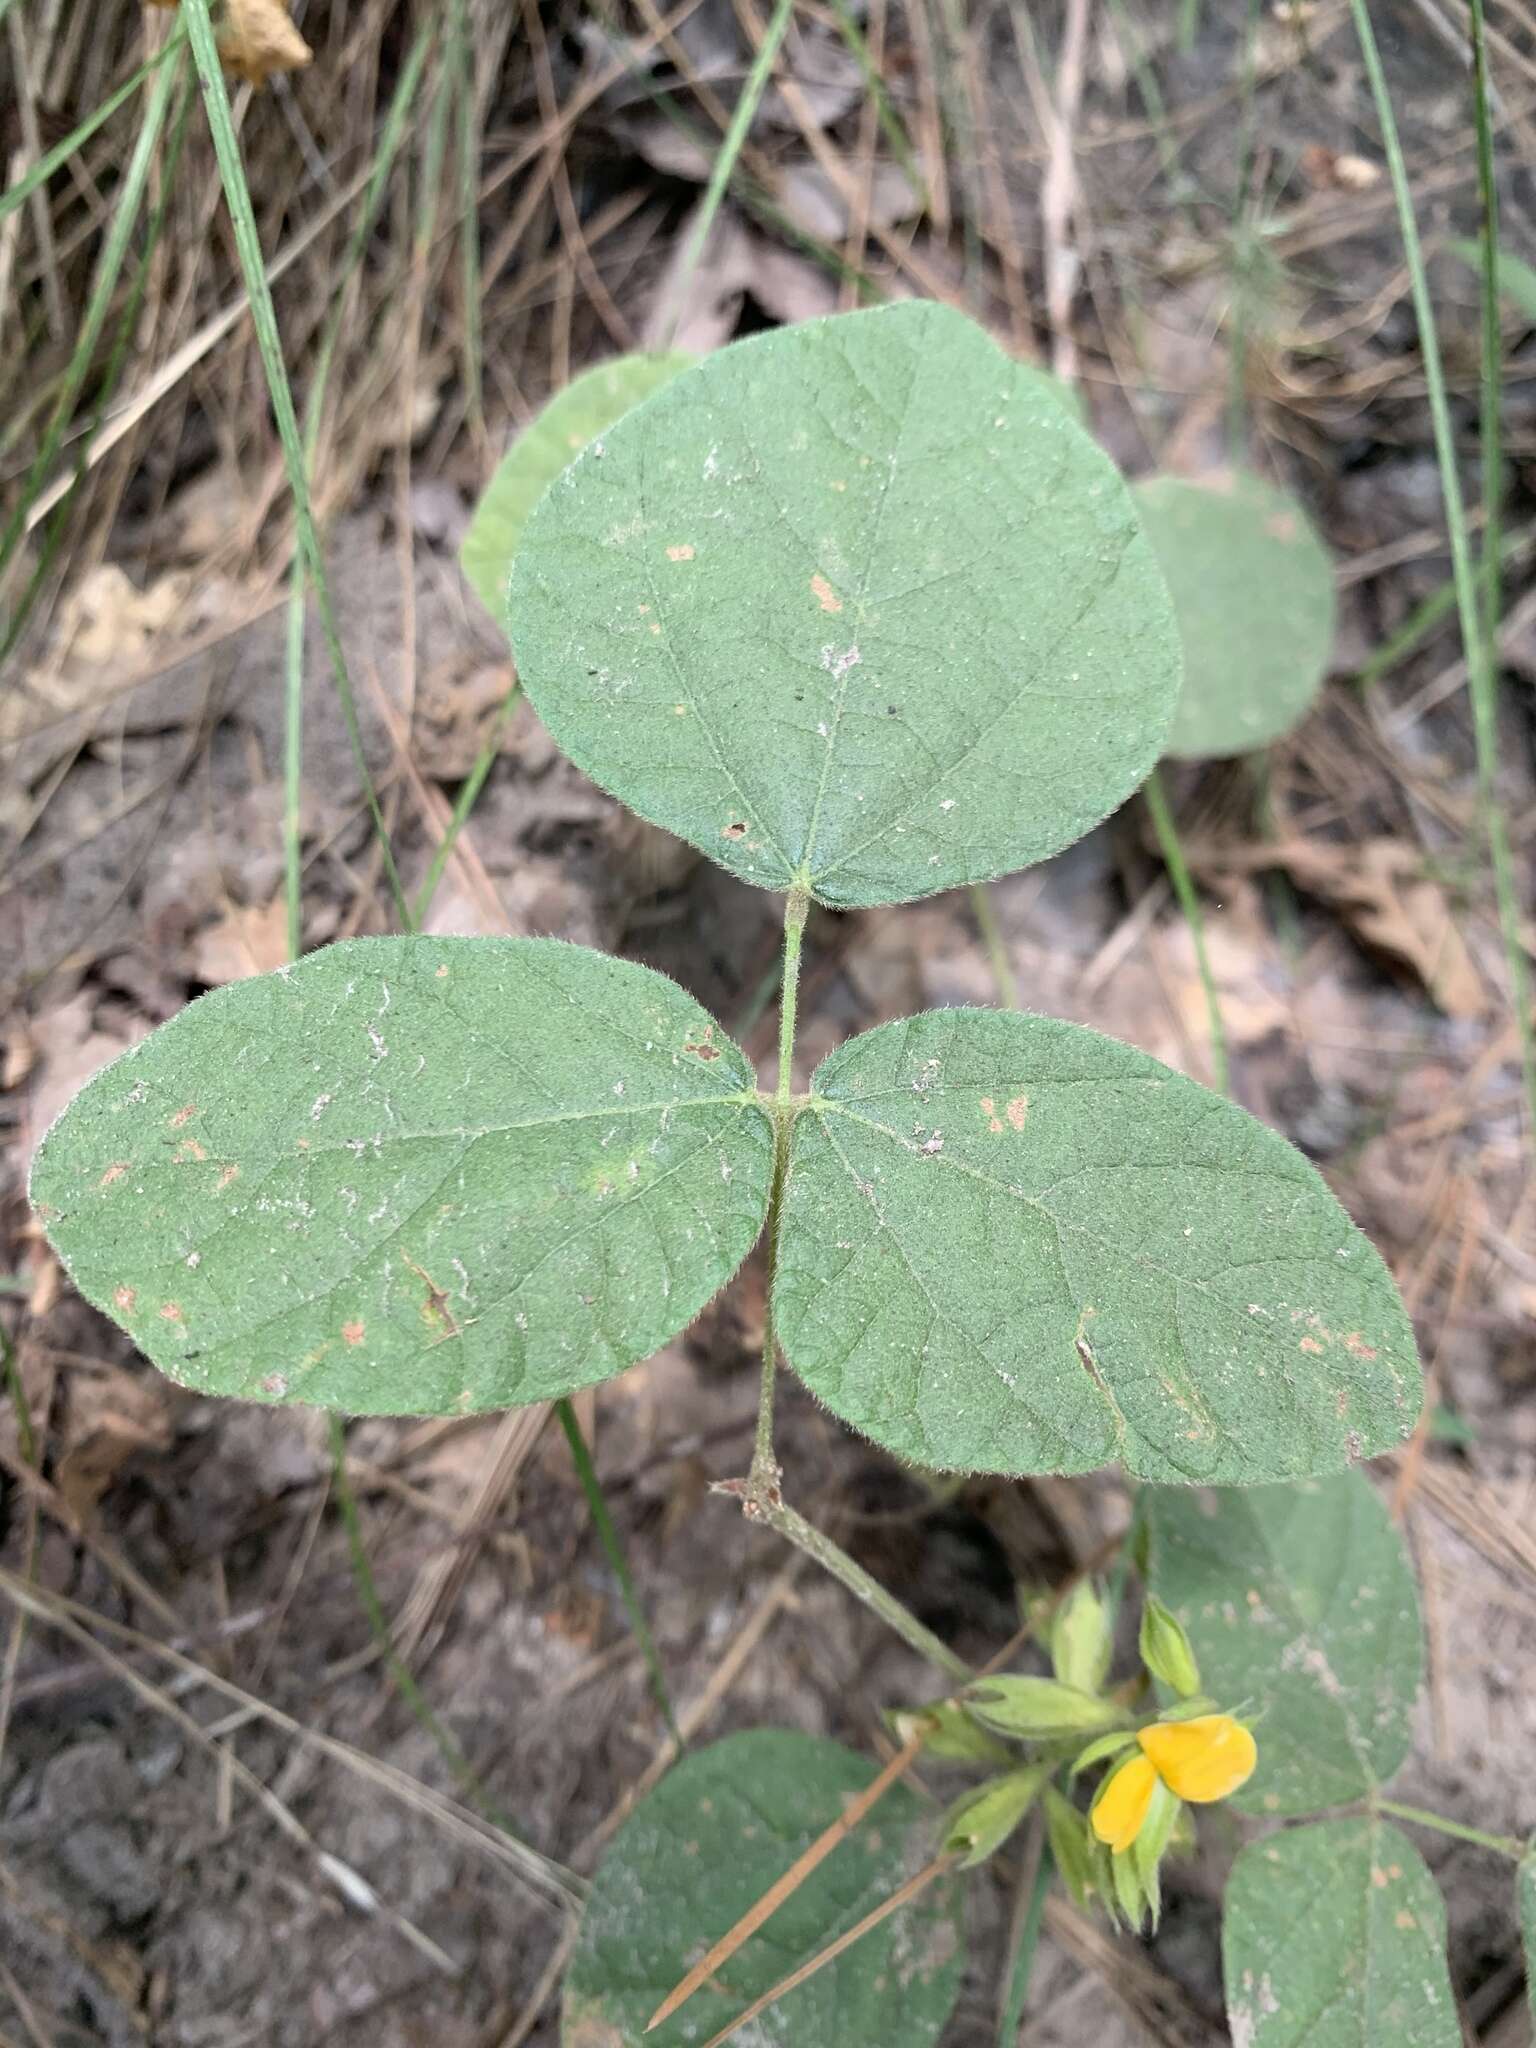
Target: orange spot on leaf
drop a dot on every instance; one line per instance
(684, 553)
(114, 1172)
(124, 1298)
(1017, 1110)
(352, 1333)
(824, 594)
(183, 1116)
(170, 1312)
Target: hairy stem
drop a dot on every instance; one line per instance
(1499, 1845)
(764, 1480)
(832, 1558)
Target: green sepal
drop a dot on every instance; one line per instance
(1082, 1640)
(1148, 1849)
(1038, 1709)
(1129, 1892)
(1191, 1709)
(1165, 1648)
(982, 1819)
(949, 1733)
(1101, 1747)
(1071, 1845)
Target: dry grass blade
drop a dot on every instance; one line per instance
(902, 1896)
(788, 1884)
(547, 1880)
(354, 1888)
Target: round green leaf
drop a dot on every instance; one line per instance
(1334, 1937)
(413, 1176)
(1011, 1245)
(572, 418)
(722, 1827)
(1253, 592)
(1300, 1601)
(855, 605)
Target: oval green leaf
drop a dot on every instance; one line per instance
(1334, 1937)
(573, 417)
(1253, 591)
(1299, 1601)
(1009, 1244)
(855, 605)
(413, 1176)
(722, 1827)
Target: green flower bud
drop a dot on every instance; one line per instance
(1081, 1640)
(1165, 1648)
(981, 1820)
(949, 1734)
(1039, 1709)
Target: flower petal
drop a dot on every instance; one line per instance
(1204, 1759)
(1123, 1803)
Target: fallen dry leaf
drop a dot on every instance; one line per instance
(1380, 888)
(248, 939)
(73, 1051)
(113, 1416)
(257, 38)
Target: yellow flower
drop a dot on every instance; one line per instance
(1200, 1760)
(1123, 1805)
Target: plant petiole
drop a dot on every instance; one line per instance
(1497, 1845)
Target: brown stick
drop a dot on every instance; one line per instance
(783, 1887)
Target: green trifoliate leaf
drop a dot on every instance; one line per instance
(1038, 1709)
(982, 1819)
(413, 1176)
(584, 409)
(1165, 1649)
(1299, 1600)
(1253, 591)
(949, 1734)
(1334, 1937)
(1081, 1639)
(855, 605)
(1012, 1245)
(723, 1826)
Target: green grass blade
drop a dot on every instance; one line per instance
(242, 215)
(61, 152)
(1490, 440)
(107, 384)
(608, 1536)
(393, 134)
(1480, 649)
(548, 1875)
(984, 910)
(468, 165)
(1023, 1943)
(1172, 848)
(725, 160)
(468, 796)
(109, 267)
